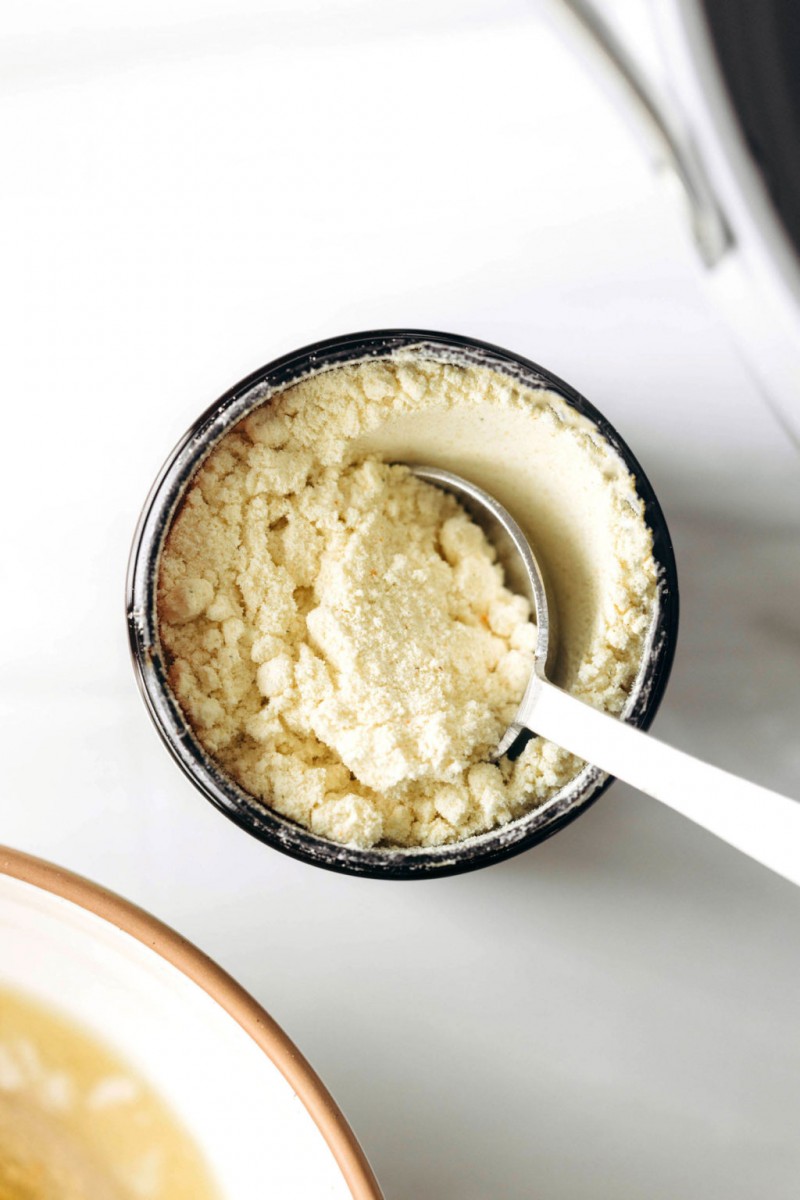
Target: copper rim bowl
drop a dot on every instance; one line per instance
(140, 987)
(151, 668)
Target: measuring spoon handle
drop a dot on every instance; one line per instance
(757, 821)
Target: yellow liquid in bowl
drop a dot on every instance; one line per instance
(78, 1123)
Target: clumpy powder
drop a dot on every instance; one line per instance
(338, 632)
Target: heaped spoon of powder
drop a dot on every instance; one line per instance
(757, 821)
(385, 659)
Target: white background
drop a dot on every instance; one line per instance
(191, 189)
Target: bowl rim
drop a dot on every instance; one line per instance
(196, 966)
(150, 669)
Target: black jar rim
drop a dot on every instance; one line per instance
(251, 814)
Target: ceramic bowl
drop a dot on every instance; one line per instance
(261, 1118)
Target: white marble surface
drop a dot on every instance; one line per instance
(190, 190)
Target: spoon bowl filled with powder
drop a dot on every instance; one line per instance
(328, 644)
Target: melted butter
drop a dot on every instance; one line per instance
(77, 1123)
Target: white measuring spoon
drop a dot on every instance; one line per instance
(757, 821)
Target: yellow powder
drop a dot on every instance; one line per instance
(338, 632)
